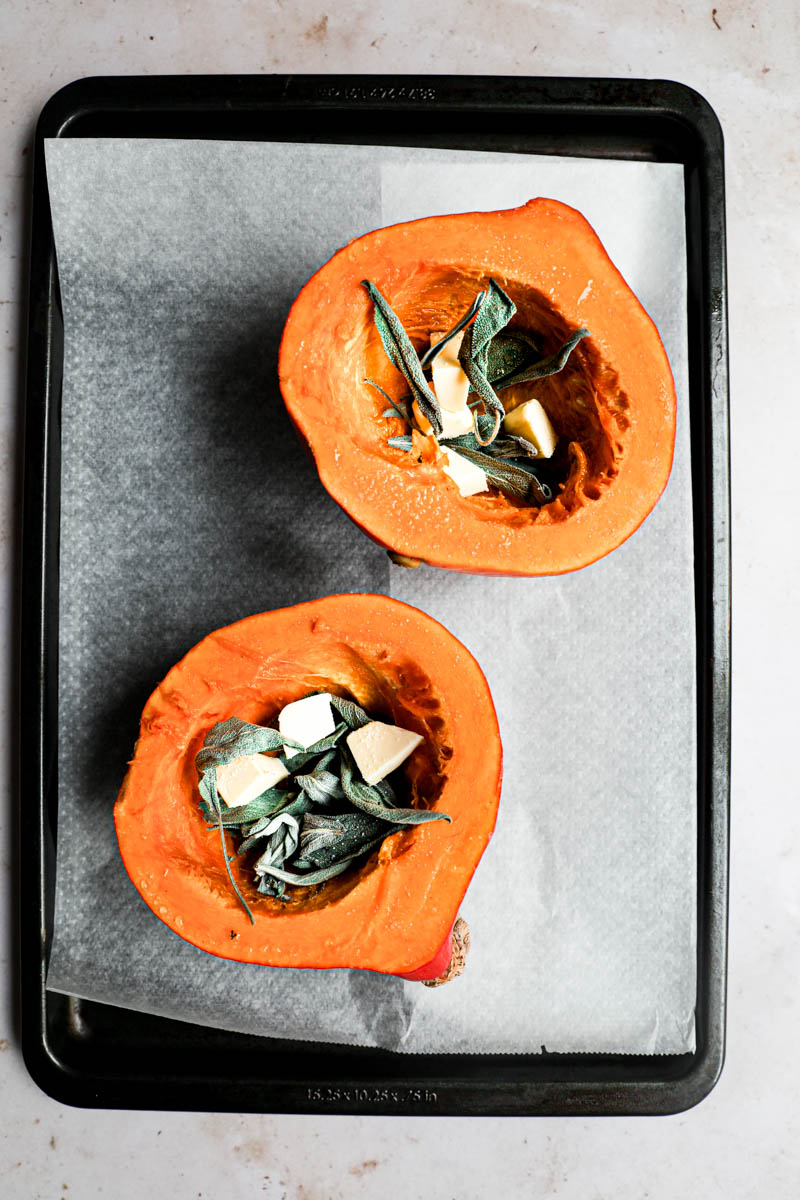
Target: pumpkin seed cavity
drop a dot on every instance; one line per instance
(319, 819)
(493, 358)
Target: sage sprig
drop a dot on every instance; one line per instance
(401, 352)
(397, 408)
(314, 824)
(494, 314)
(493, 358)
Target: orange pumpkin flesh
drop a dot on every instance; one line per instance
(613, 406)
(395, 913)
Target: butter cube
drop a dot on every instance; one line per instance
(378, 749)
(454, 424)
(451, 388)
(241, 780)
(468, 478)
(530, 421)
(306, 721)
(449, 381)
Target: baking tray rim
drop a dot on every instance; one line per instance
(58, 1032)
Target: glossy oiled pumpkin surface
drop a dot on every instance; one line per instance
(613, 406)
(394, 913)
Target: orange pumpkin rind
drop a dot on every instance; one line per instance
(392, 915)
(614, 406)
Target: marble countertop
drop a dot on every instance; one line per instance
(741, 1141)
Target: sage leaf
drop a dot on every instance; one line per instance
(545, 366)
(511, 445)
(268, 886)
(540, 489)
(508, 352)
(283, 834)
(369, 800)
(321, 787)
(494, 314)
(207, 787)
(309, 878)
(510, 478)
(386, 792)
(397, 408)
(294, 763)
(430, 354)
(506, 445)
(233, 738)
(265, 805)
(351, 713)
(403, 441)
(402, 355)
(327, 761)
(326, 840)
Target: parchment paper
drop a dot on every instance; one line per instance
(187, 503)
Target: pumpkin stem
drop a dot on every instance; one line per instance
(458, 958)
(403, 560)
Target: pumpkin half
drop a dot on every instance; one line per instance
(613, 406)
(395, 912)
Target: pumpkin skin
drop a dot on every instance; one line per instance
(395, 913)
(613, 406)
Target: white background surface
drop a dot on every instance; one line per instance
(742, 1141)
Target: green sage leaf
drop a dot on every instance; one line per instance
(369, 800)
(327, 761)
(265, 805)
(511, 445)
(351, 713)
(326, 840)
(508, 352)
(304, 756)
(321, 787)
(494, 314)
(233, 738)
(283, 836)
(545, 366)
(505, 445)
(402, 355)
(309, 878)
(510, 478)
(541, 491)
(268, 886)
(403, 441)
(398, 408)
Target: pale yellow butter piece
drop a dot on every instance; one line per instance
(468, 478)
(241, 780)
(531, 422)
(451, 388)
(379, 749)
(306, 721)
(454, 424)
(449, 381)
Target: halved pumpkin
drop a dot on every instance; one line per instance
(395, 912)
(613, 406)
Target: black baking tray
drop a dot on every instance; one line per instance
(90, 1054)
